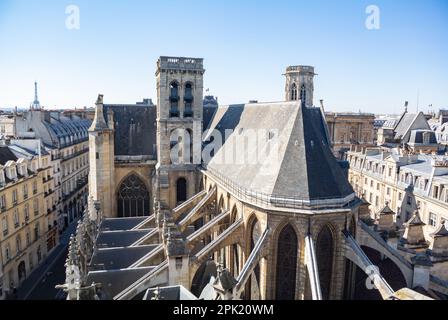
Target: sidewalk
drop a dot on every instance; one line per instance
(36, 276)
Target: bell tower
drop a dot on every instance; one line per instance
(300, 84)
(179, 128)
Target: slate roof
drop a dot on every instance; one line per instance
(117, 224)
(6, 155)
(135, 129)
(403, 124)
(304, 167)
(415, 220)
(170, 294)
(386, 210)
(119, 238)
(119, 258)
(115, 281)
(440, 232)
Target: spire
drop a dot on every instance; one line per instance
(36, 103)
(99, 123)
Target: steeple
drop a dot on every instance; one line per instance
(36, 103)
(99, 123)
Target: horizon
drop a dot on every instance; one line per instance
(375, 71)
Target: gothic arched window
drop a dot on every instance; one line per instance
(133, 198)
(188, 100)
(181, 190)
(325, 260)
(286, 264)
(294, 92)
(174, 99)
(303, 94)
(253, 283)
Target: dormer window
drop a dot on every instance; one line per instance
(174, 99)
(2, 176)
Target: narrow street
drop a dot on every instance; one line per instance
(40, 285)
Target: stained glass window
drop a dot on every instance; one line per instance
(286, 264)
(133, 198)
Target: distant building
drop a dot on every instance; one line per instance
(398, 132)
(405, 183)
(350, 128)
(63, 135)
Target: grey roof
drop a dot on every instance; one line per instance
(117, 224)
(135, 129)
(208, 114)
(386, 210)
(119, 258)
(115, 281)
(440, 232)
(304, 166)
(6, 155)
(390, 124)
(170, 293)
(403, 124)
(415, 220)
(113, 239)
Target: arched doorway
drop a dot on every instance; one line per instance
(286, 264)
(21, 269)
(133, 198)
(181, 190)
(324, 254)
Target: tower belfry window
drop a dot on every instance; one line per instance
(294, 92)
(188, 100)
(303, 94)
(174, 99)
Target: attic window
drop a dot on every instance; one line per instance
(271, 135)
(240, 131)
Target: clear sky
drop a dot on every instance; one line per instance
(246, 44)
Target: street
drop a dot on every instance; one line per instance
(40, 285)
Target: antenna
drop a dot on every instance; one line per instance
(418, 98)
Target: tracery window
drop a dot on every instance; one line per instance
(303, 94)
(133, 198)
(174, 99)
(325, 260)
(286, 264)
(181, 190)
(294, 92)
(188, 100)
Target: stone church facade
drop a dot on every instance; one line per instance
(273, 226)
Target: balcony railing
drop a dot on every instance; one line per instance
(281, 201)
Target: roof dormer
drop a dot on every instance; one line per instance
(11, 170)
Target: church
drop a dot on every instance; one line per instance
(198, 201)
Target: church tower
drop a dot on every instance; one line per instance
(101, 157)
(300, 84)
(179, 128)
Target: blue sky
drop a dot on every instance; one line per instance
(246, 44)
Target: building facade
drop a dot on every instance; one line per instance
(29, 223)
(65, 138)
(347, 129)
(406, 183)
